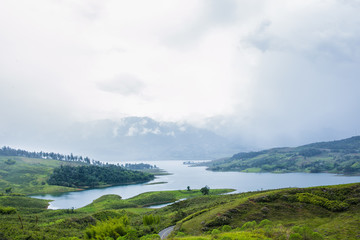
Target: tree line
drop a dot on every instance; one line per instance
(7, 151)
(91, 176)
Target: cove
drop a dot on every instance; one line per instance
(198, 177)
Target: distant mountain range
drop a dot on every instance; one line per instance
(142, 138)
(342, 156)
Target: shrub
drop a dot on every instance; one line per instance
(113, 228)
(305, 233)
(10, 162)
(295, 236)
(226, 228)
(180, 234)
(150, 220)
(332, 205)
(215, 231)
(248, 225)
(265, 222)
(7, 210)
(225, 238)
(150, 237)
(106, 215)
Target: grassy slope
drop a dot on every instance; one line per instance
(29, 175)
(282, 208)
(335, 157)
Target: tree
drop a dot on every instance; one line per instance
(8, 190)
(205, 190)
(188, 188)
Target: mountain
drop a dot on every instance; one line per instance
(342, 156)
(142, 138)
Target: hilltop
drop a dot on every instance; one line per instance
(342, 156)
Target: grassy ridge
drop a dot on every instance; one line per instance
(341, 156)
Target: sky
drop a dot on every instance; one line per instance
(267, 72)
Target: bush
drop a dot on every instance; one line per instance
(295, 236)
(106, 215)
(265, 222)
(180, 234)
(215, 231)
(248, 225)
(113, 228)
(7, 210)
(226, 228)
(10, 162)
(150, 237)
(332, 205)
(225, 238)
(305, 233)
(150, 220)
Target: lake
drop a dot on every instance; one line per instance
(197, 177)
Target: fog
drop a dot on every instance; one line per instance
(264, 73)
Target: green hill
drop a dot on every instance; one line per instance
(35, 176)
(341, 156)
(29, 175)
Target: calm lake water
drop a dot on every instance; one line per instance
(197, 177)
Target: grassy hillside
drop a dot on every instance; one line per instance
(318, 213)
(29, 175)
(341, 156)
(34, 176)
(331, 212)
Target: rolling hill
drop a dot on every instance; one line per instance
(342, 156)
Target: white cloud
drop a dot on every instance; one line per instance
(278, 69)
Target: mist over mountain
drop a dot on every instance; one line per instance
(140, 138)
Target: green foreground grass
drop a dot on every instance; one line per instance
(331, 212)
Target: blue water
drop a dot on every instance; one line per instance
(197, 177)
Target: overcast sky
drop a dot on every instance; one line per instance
(272, 72)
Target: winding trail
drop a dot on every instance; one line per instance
(166, 232)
